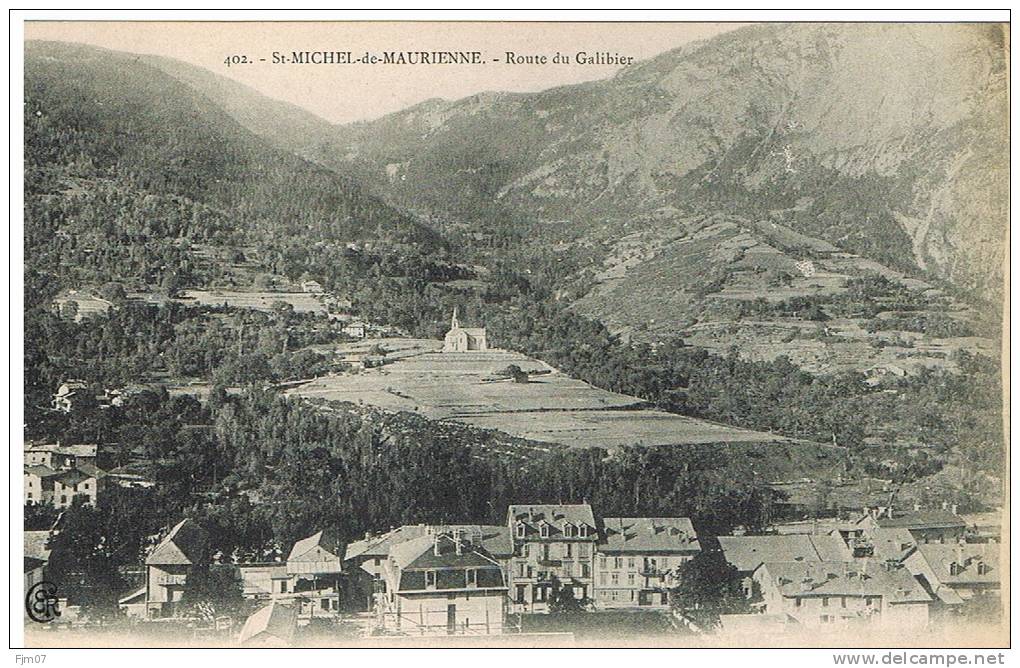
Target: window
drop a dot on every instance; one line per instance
(798, 602)
(582, 550)
(568, 570)
(30, 495)
(825, 601)
(568, 550)
(630, 563)
(377, 561)
(870, 601)
(842, 601)
(63, 498)
(585, 571)
(544, 531)
(602, 579)
(630, 578)
(582, 531)
(520, 569)
(430, 579)
(545, 553)
(954, 568)
(617, 562)
(602, 563)
(568, 530)
(616, 578)
(324, 603)
(86, 486)
(472, 577)
(982, 568)
(826, 619)
(283, 586)
(521, 529)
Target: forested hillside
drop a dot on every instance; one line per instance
(126, 169)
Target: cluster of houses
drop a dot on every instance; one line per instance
(55, 474)
(897, 569)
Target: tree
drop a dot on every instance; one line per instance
(562, 599)
(708, 587)
(213, 590)
(39, 516)
(113, 292)
(83, 562)
(515, 372)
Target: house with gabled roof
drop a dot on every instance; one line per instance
(441, 583)
(959, 572)
(314, 568)
(554, 548)
(842, 594)
(746, 553)
(926, 526)
(85, 482)
(638, 557)
(364, 559)
(167, 567)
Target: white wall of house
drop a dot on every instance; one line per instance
(432, 613)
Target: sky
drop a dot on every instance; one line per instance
(347, 93)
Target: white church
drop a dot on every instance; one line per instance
(464, 339)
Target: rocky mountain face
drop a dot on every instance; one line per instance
(889, 141)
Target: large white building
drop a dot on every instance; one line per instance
(638, 558)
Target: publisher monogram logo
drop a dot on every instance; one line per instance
(41, 602)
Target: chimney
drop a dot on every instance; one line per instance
(917, 507)
(953, 508)
(435, 544)
(456, 541)
(945, 505)
(368, 535)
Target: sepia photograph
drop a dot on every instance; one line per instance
(511, 334)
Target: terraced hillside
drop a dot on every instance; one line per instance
(770, 291)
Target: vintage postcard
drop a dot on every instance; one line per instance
(513, 334)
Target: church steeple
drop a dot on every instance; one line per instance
(454, 323)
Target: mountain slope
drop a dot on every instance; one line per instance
(887, 140)
(283, 125)
(119, 153)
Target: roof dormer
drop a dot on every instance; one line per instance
(521, 530)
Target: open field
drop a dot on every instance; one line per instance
(302, 302)
(552, 407)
